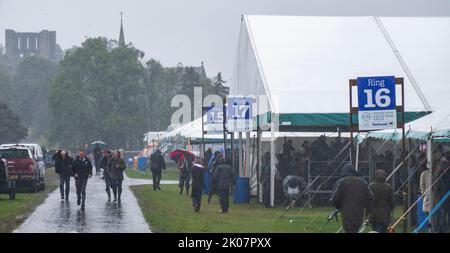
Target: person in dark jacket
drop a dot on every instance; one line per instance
(197, 183)
(104, 165)
(223, 177)
(116, 166)
(212, 167)
(184, 166)
(382, 203)
(63, 167)
(82, 169)
(351, 197)
(265, 179)
(97, 158)
(438, 221)
(157, 164)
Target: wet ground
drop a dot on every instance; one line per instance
(100, 216)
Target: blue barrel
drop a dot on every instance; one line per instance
(421, 216)
(242, 190)
(142, 163)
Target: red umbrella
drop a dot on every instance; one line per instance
(178, 154)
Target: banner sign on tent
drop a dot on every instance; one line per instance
(215, 120)
(239, 114)
(376, 103)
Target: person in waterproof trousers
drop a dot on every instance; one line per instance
(223, 177)
(157, 164)
(197, 173)
(382, 204)
(82, 169)
(63, 167)
(116, 166)
(104, 165)
(351, 197)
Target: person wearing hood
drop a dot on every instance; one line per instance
(222, 178)
(382, 203)
(351, 197)
(197, 183)
(157, 164)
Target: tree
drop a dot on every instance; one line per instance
(219, 85)
(6, 95)
(31, 83)
(10, 128)
(98, 94)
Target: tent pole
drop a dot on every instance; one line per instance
(224, 110)
(272, 165)
(247, 156)
(240, 155)
(258, 162)
(232, 151)
(357, 156)
(430, 166)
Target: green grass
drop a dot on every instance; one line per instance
(14, 212)
(167, 211)
(171, 173)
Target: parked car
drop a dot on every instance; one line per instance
(27, 165)
(49, 162)
(7, 181)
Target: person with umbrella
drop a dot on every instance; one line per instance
(157, 164)
(184, 165)
(184, 161)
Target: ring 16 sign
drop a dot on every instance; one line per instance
(376, 103)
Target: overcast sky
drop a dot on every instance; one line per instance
(187, 31)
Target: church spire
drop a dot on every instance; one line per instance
(121, 36)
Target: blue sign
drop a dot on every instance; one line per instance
(215, 120)
(239, 114)
(376, 103)
(376, 93)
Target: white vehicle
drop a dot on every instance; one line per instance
(38, 156)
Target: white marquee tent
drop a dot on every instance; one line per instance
(301, 65)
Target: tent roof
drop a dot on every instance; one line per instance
(193, 130)
(303, 63)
